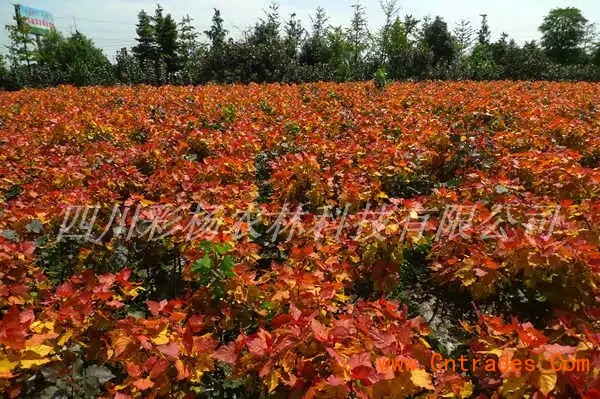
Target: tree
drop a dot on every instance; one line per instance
(314, 48)
(482, 65)
(165, 30)
(564, 32)
(75, 60)
(339, 53)
(394, 48)
(214, 64)
(4, 79)
(390, 10)
(484, 34)
(293, 36)
(596, 56)
(189, 50)
(464, 36)
(533, 61)
(358, 33)
(439, 41)
(146, 49)
(21, 47)
(126, 67)
(261, 55)
(85, 63)
(217, 34)
(410, 25)
(50, 47)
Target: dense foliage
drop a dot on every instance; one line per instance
(253, 301)
(280, 49)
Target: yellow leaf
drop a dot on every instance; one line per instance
(41, 350)
(274, 380)
(162, 338)
(414, 215)
(30, 363)
(65, 338)
(392, 228)
(547, 383)
(134, 292)
(466, 391)
(382, 195)
(146, 202)
(38, 327)
(342, 297)
(6, 368)
(467, 282)
(421, 379)
(513, 387)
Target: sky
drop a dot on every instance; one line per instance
(111, 23)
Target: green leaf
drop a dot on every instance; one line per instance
(223, 249)
(227, 265)
(100, 373)
(203, 265)
(10, 235)
(35, 227)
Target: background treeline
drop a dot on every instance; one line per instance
(283, 50)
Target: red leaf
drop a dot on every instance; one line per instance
(143, 383)
(182, 371)
(226, 353)
(319, 330)
(134, 370)
(156, 307)
(171, 350)
(260, 344)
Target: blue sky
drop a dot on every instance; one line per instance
(111, 23)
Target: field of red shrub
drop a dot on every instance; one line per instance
(277, 241)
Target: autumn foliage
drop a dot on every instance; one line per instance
(304, 311)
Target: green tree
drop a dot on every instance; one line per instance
(85, 63)
(596, 56)
(214, 64)
(190, 51)
(50, 48)
(340, 53)
(533, 62)
(146, 49)
(294, 33)
(74, 60)
(4, 76)
(166, 39)
(395, 46)
(564, 32)
(411, 25)
(358, 33)
(484, 33)
(217, 34)
(22, 44)
(314, 48)
(439, 41)
(267, 61)
(463, 36)
(482, 64)
(126, 67)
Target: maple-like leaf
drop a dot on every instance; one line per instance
(226, 353)
(143, 384)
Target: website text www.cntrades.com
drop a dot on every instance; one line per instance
(557, 362)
